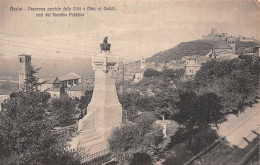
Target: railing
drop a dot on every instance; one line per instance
(248, 137)
(96, 158)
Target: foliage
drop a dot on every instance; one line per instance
(31, 82)
(235, 81)
(151, 73)
(129, 102)
(27, 133)
(141, 159)
(172, 74)
(198, 112)
(178, 153)
(62, 109)
(84, 101)
(132, 138)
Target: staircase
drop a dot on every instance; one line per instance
(90, 139)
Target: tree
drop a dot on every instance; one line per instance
(131, 138)
(62, 109)
(151, 72)
(31, 82)
(235, 81)
(187, 113)
(172, 74)
(198, 112)
(27, 133)
(85, 100)
(210, 108)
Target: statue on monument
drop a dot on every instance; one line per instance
(105, 46)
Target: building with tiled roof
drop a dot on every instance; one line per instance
(223, 51)
(48, 83)
(77, 91)
(69, 80)
(193, 63)
(54, 92)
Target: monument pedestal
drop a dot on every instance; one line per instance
(104, 110)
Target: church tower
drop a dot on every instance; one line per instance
(142, 63)
(24, 69)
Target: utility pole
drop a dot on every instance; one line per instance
(82, 90)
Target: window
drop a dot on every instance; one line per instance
(21, 60)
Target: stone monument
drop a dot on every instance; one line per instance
(104, 110)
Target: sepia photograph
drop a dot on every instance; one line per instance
(140, 82)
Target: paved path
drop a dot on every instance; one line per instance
(240, 126)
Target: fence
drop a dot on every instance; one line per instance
(97, 158)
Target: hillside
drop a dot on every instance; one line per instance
(7, 87)
(196, 47)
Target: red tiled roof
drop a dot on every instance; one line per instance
(70, 76)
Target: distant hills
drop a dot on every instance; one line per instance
(196, 47)
(50, 67)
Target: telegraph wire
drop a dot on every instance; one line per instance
(56, 51)
(42, 45)
(35, 38)
(46, 50)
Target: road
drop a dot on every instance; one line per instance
(238, 127)
(239, 139)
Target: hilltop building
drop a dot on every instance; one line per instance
(223, 51)
(175, 64)
(24, 69)
(245, 39)
(232, 42)
(214, 35)
(193, 64)
(254, 52)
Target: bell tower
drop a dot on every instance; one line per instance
(24, 69)
(142, 63)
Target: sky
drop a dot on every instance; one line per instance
(136, 28)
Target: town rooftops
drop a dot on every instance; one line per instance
(70, 76)
(53, 80)
(222, 45)
(197, 57)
